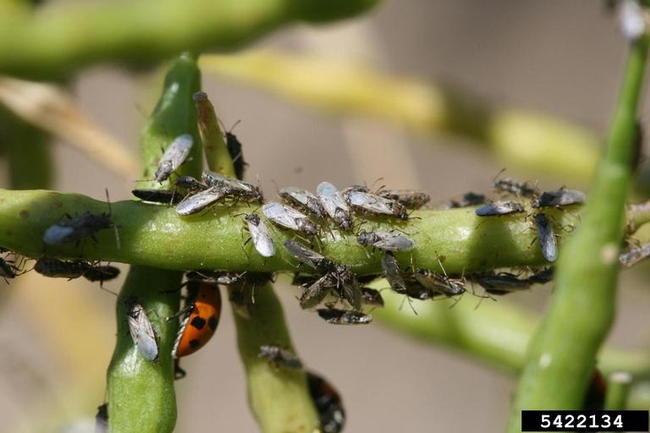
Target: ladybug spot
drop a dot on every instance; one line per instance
(198, 322)
(195, 344)
(213, 322)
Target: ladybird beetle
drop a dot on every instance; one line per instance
(200, 317)
(328, 403)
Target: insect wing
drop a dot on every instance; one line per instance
(334, 204)
(285, 216)
(280, 357)
(308, 256)
(501, 283)
(190, 184)
(142, 333)
(562, 197)
(386, 241)
(439, 283)
(101, 273)
(410, 199)
(393, 273)
(260, 235)
(344, 317)
(370, 202)
(199, 201)
(55, 268)
(349, 286)
(57, 235)
(174, 156)
(546, 237)
(499, 208)
(316, 293)
(304, 199)
(371, 297)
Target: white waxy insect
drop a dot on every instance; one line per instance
(373, 204)
(334, 204)
(387, 241)
(260, 235)
(499, 208)
(288, 217)
(546, 237)
(174, 157)
(143, 335)
(199, 201)
(303, 199)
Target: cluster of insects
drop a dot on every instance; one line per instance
(198, 320)
(538, 202)
(329, 287)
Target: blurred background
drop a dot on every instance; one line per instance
(556, 57)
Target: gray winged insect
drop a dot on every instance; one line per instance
(174, 157)
(387, 241)
(289, 218)
(439, 282)
(409, 198)
(561, 197)
(373, 204)
(201, 200)
(633, 256)
(235, 187)
(334, 204)
(143, 335)
(499, 208)
(546, 237)
(303, 199)
(260, 235)
(280, 357)
(344, 317)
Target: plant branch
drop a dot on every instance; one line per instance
(61, 39)
(154, 235)
(140, 392)
(561, 356)
(279, 398)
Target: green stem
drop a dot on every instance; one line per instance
(154, 235)
(141, 393)
(618, 389)
(28, 153)
(561, 356)
(496, 333)
(279, 398)
(65, 38)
